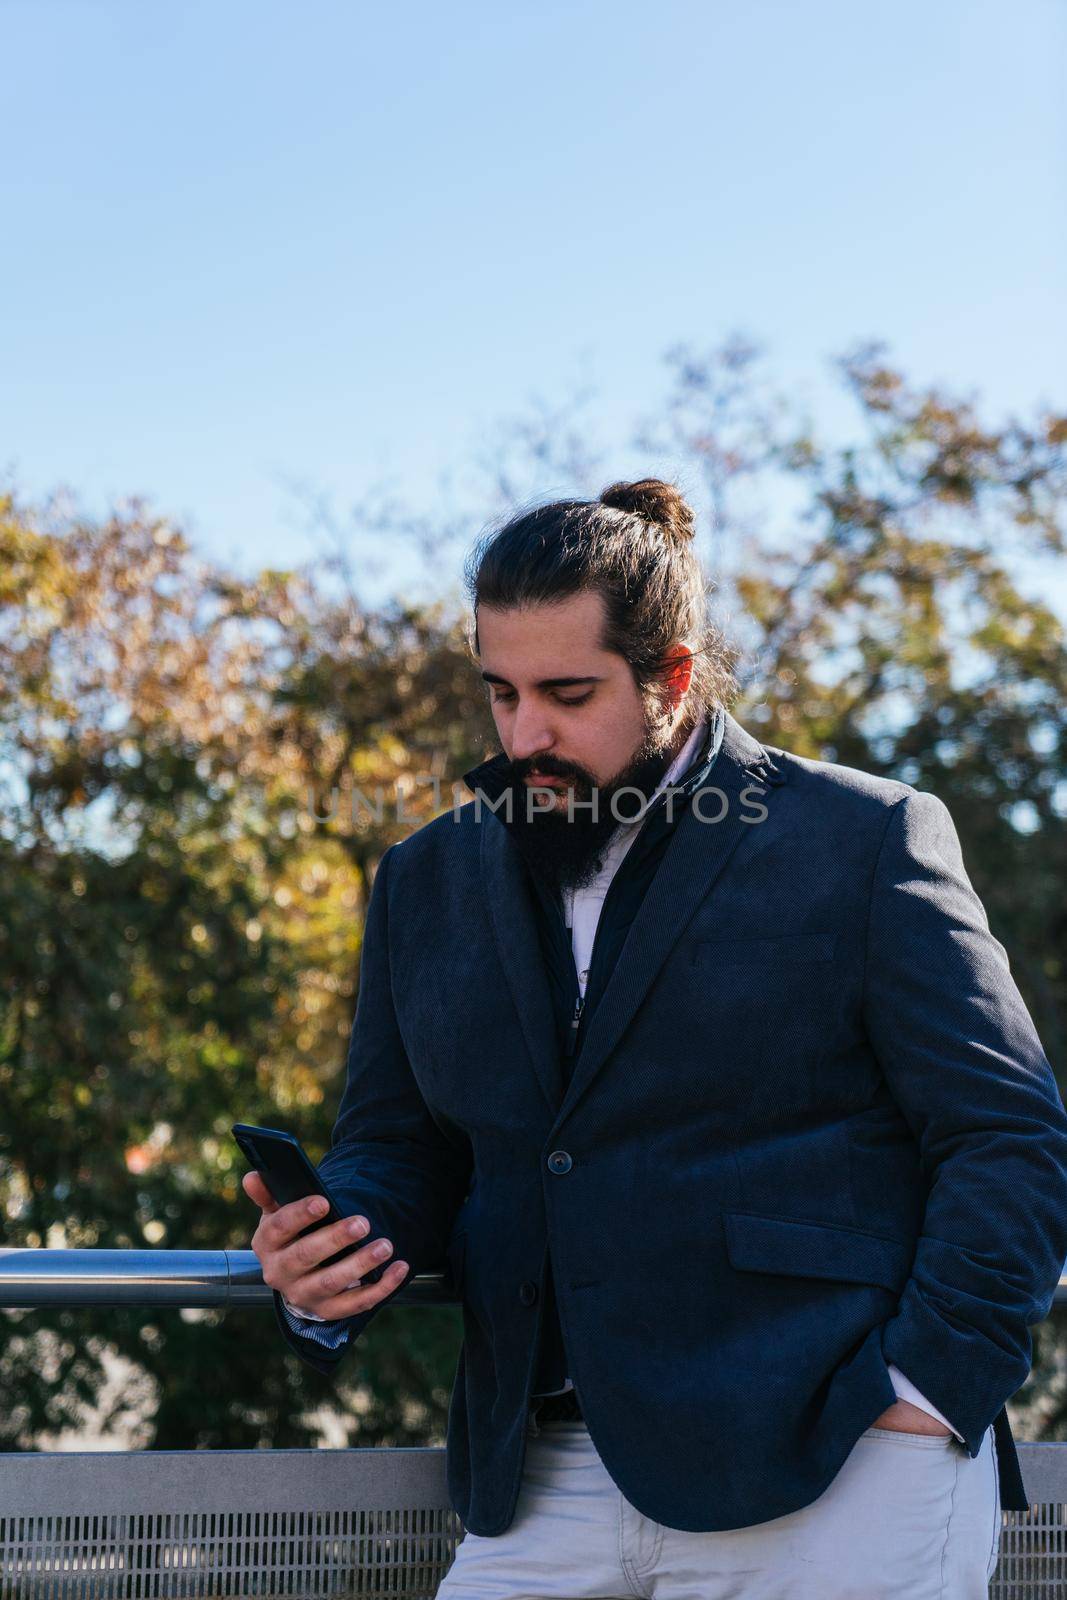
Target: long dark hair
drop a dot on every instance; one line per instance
(633, 546)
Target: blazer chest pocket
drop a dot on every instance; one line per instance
(787, 950)
(814, 1250)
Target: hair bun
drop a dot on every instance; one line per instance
(654, 501)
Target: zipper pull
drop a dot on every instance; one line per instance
(572, 1037)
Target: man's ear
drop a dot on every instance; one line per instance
(677, 673)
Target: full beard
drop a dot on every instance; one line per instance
(565, 851)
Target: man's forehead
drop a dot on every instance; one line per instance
(543, 645)
(573, 614)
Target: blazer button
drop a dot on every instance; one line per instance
(528, 1293)
(560, 1161)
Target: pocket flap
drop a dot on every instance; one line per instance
(784, 949)
(814, 1250)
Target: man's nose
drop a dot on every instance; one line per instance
(530, 736)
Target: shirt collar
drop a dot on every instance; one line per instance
(696, 749)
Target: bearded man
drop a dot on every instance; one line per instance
(698, 1063)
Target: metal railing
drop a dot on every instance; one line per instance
(159, 1523)
(177, 1278)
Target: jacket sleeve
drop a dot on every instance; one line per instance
(388, 1160)
(964, 1063)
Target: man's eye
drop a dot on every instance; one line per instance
(578, 700)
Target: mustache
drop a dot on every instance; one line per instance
(521, 770)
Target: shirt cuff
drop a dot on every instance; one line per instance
(330, 1334)
(906, 1390)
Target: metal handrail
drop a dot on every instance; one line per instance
(179, 1278)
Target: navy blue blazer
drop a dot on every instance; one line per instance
(811, 1131)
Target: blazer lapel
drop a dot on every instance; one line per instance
(519, 947)
(698, 853)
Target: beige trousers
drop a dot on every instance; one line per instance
(909, 1516)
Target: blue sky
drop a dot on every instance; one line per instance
(329, 243)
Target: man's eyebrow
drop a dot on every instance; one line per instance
(546, 683)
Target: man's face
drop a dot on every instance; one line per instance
(570, 718)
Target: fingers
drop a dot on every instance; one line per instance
(350, 1302)
(301, 1256)
(289, 1261)
(284, 1223)
(337, 1280)
(341, 1274)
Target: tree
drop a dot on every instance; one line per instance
(179, 938)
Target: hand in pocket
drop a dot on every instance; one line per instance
(903, 1417)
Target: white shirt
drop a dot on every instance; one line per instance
(582, 908)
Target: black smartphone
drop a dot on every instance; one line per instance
(289, 1174)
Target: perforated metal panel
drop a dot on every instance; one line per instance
(1033, 1554)
(162, 1523)
(1033, 1544)
(227, 1553)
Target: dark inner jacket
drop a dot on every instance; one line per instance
(621, 903)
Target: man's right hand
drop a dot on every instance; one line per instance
(292, 1265)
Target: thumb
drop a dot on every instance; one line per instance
(257, 1190)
